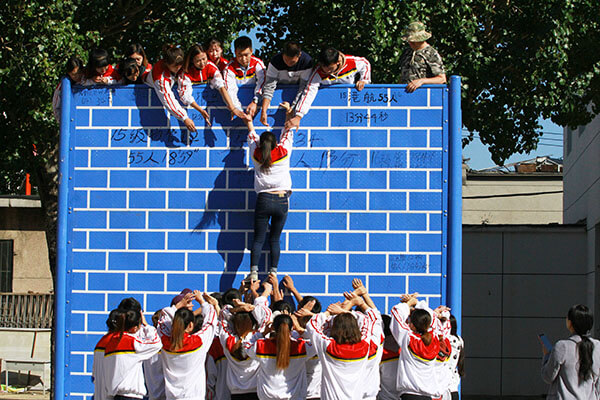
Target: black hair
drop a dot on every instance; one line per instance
(198, 322)
(582, 321)
(130, 303)
(421, 320)
(268, 142)
(453, 325)
(137, 48)
(172, 55)
(213, 41)
(292, 49)
(192, 52)
(112, 320)
(316, 308)
(128, 67)
(242, 43)
(460, 365)
(219, 297)
(328, 56)
(72, 63)
(98, 58)
(387, 320)
(127, 319)
(231, 294)
(281, 306)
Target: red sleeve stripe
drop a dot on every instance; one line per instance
(318, 330)
(307, 89)
(167, 98)
(403, 324)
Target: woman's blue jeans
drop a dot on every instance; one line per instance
(274, 207)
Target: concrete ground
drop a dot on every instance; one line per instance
(31, 395)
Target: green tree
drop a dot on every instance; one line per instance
(519, 60)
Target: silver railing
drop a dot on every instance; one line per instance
(26, 310)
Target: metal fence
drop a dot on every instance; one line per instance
(24, 310)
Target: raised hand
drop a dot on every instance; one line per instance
(303, 312)
(359, 288)
(198, 296)
(335, 308)
(288, 282)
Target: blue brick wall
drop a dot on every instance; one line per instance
(155, 208)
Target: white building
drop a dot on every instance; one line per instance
(526, 192)
(582, 200)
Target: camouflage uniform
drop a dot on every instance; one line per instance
(424, 63)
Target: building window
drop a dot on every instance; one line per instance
(6, 265)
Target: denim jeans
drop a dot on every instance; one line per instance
(273, 207)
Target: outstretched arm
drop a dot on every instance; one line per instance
(361, 290)
(288, 283)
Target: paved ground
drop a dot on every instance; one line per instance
(33, 395)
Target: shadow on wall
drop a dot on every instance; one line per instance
(161, 141)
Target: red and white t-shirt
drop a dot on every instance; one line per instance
(353, 66)
(123, 359)
(417, 370)
(343, 365)
(98, 368)
(272, 382)
(242, 372)
(209, 74)
(235, 75)
(162, 80)
(277, 177)
(184, 376)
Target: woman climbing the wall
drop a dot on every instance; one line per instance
(273, 184)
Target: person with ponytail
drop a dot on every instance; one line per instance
(273, 183)
(417, 331)
(162, 78)
(343, 349)
(98, 364)
(197, 69)
(238, 323)
(282, 361)
(184, 350)
(572, 366)
(125, 352)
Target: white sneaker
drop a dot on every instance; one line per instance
(252, 276)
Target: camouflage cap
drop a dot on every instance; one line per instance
(415, 32)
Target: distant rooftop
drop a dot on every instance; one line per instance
(538, 166)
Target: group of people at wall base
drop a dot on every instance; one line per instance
(236, 346)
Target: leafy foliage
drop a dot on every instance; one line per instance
(35, 38)
(518, 59)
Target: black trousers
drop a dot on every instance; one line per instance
(414, 397)
(244, 396)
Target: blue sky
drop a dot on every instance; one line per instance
(550, 143)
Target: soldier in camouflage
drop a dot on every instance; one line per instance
(420, 63)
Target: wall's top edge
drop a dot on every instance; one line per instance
(340, 86)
